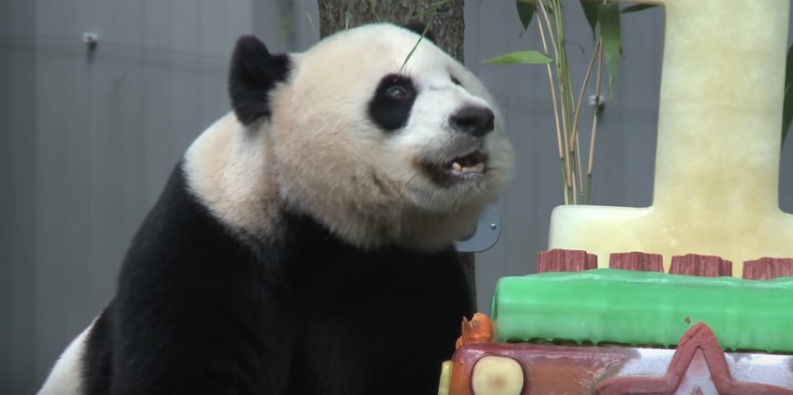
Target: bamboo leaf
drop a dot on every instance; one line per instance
(520, 57)
(609, 18)
(590, 8)
(373, 7)
(308, 17)
(347, 19)
(526, 10)
(637, 8)
(787, 107)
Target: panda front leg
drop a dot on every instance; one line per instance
(338, 359)
(124, 359)
(196, 361)
(392, 343)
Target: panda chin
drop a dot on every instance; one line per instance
(470, 167)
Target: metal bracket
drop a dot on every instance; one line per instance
(597, 101)
(90, 40)
(487, 233)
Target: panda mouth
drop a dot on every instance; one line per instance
(466, 167)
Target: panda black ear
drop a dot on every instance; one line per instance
(252, 74)
(418, 28)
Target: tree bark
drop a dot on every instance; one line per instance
(447, 26)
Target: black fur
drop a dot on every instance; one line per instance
(98, 360)
(418, 28)
(252, 75)
(200, 311)
(204, 309)
(390, 112)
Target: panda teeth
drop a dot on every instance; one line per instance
(477, 168)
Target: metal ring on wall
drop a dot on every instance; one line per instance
(486, 235)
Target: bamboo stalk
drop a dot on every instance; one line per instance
(562, 132)
(579, 164)
(554, 98)
(587, 75)
(594, 123)
(576, 118)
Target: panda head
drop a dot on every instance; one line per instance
(379, 149)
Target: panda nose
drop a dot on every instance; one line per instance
(476, 121)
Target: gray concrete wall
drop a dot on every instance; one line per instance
(87, 142)
(17, 164)
(88, 139)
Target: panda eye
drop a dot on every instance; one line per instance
(397, 92)
(392, 102)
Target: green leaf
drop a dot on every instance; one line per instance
(787, 107)
(590, 8)
(526, 10)
(637, 8)
(308, 17)
(609, 18)
(520, 57)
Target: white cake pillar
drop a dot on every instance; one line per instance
(717, 161)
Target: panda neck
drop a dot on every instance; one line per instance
(219, 166)
(383, 227)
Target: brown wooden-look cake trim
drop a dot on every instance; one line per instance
(700, 265)
(767, 268)
(637, 261)
(561, 260)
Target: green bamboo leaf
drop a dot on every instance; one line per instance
(637, 8)
(787, 107)
(590, 8)
(526, 10)
(347, 19)
(373, 7)
(520, 57)
(609, 18)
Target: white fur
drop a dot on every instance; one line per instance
(231, 172)
(320, 152)
(65, 378)
(326, 153)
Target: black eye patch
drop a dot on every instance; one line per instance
(393, 99)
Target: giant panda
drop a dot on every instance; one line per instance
(304, 244)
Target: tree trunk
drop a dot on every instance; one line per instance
(448, 29)
(448, 25)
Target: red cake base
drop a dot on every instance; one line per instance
(697, 366)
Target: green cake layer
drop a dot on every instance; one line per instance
(644, 309)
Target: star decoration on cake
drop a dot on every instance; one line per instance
(698, 367)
